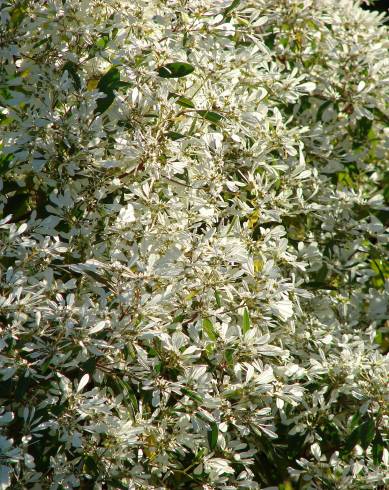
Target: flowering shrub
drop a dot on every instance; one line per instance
(193, 286)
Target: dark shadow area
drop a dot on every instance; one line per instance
(379, 6)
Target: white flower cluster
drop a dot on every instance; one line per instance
(193, 277)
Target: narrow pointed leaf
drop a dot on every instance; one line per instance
(175, 70)
(246, 324)
(210, 115)
(182, 101)
(209, 329)
(212, 436)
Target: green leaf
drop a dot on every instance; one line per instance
(209, 329)
(89, 366)
(17, 14)
(322, 108)
(102, 42)
(230, 8)
(117, 484)
(270, 40)
(229, 356)
(361, 131)
(356, 419)
(42, 41)
(212, 436)
(367, 433)
(109, 82)
(121, 84)
(90, 465)
(321, 274)
(192, 395)
(177, 69)
(104, 103)
(5, 161)
(179, 318)
(352, 440)
(381, 115)
(378, 449)
(182, 101)
(209, 349)
(246, 324)
(71, 68)
(218, 299)
(129, 396)
(173, 135)
(22, 386)
(364, 434)
(210, 115)
(18, 205)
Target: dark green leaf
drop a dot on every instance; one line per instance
(129, 396)
(109, 80)
(17, 205)
(89, 366)
(71, 68)
(210, 115)
(22, 387)
(17, 14)
(107, 84)
(212, 436)
(175, 70)
(381, 115)
(90, 465)
(322, 108)
(321, 274)
(104, 103)
(194, 396)
(352, 440)
(270, 40)
(361, 131)
(117, 484)
(378, 449)
(5, 161)
(42, 41)
(182, 101)
(363, 434)
(367, 433)
(230, 8)
(179, 318)
(355, 421)
(175, 136)
(121, 84)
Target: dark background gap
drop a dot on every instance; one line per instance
(379, 6)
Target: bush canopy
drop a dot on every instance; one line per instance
(193, 258)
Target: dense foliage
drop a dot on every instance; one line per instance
(193, 277)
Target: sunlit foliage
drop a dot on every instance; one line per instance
(193, 258)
